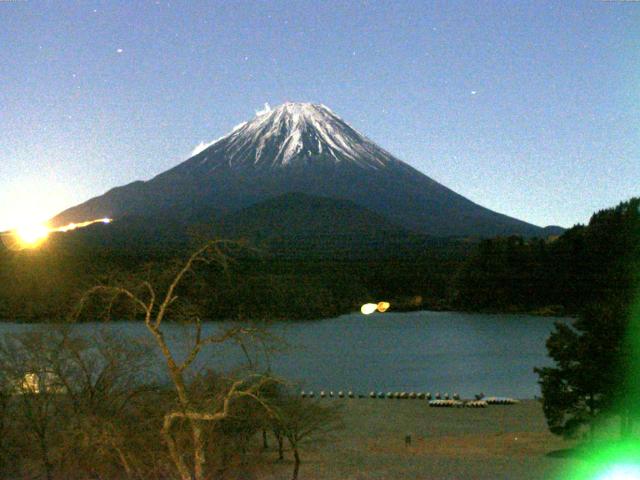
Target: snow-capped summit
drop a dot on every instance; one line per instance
(295, 133)
(298, 147)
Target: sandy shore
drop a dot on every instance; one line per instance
(497, 442)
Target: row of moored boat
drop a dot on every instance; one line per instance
(437, 400)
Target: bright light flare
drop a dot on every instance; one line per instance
(74, 226)
(621, 472)
(383, 306)
(30, 236)
(368, 308)
(606, 460)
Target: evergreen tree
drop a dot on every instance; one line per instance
(587, 379)
(597, 356)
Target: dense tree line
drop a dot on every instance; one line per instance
(558, 275)
(305, 278)
(263, 282)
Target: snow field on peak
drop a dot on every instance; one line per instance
(297, 131)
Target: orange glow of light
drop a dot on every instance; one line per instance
(74, 226)
(383, 306)
(369, 308)
(31, 236)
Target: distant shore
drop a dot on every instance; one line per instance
(550, 311)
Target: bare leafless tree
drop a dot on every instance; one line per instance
(72, 397)
(300, 420)
(25, 361)
(5, 397)
(156, 305)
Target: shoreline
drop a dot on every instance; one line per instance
(510, 441)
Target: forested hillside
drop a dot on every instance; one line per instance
(560, 275)
(302, 277)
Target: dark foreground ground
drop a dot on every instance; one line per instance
(497, 442)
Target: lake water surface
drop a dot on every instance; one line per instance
(414, 351)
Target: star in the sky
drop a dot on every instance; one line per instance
(119, 50)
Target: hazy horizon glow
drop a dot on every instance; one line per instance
(530, 109)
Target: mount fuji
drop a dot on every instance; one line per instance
(299, 148)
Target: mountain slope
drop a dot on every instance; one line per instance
(296, 214)
(300, 147)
